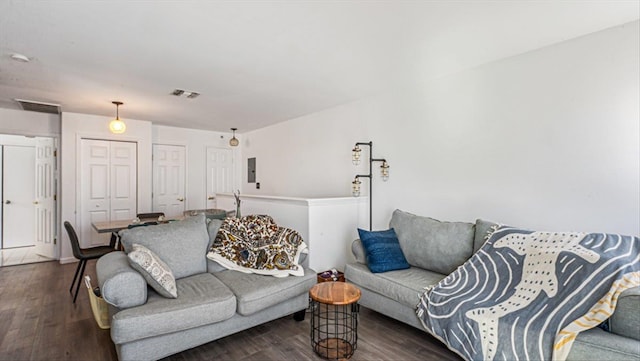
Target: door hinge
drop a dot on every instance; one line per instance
(55, 241)
(55, 153)
(55, 197)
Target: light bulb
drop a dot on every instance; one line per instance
(355, 185)
(117, 126)
(355, 156)
(384, 170)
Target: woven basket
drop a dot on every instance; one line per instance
(98, 306)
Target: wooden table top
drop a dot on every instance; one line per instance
(335, 293)
(115, 226)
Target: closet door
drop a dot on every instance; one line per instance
(107, 184)
(219, 174)
(169, 179)
(123, 181)
(45, 203)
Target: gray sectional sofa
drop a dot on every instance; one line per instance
(434, 249)
(212, 302)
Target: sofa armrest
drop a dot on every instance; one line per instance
(358, 251)
(625, 321)
(120, 284)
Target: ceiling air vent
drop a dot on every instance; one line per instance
(185, 93)
(40, 107)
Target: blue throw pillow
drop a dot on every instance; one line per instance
(383, 250)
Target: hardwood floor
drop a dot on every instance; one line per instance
(38, 321)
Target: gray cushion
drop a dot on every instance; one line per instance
(433, 245)
(213, 225)
(596, 344)
(403, 286)
(202, 299)
(256, 292)
(121, 285)
(181, 245)
(483, 228)
(358, 251)
(625, 321)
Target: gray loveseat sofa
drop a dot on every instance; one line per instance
(434, 249)
(212, 302)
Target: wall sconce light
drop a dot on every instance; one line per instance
(355, 155)
(234, 141)
(117, 126)
(384, 170)
(355, 185)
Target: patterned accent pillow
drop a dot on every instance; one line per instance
(157, 274)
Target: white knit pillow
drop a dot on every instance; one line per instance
(157, 274)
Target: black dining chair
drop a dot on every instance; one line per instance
(83, 254)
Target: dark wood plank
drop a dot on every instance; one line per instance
(38, 321)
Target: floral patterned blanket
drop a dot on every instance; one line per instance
(256, 244)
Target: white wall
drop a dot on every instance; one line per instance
(544, 140)
(323, 223)
(76, 126)
(196, 142)
(20, 122)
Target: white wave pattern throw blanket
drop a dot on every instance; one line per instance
(526, 295)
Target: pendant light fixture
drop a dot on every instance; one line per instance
(117, 126)
(234, 141)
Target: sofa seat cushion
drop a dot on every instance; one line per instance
(256, 292)
(202, 299)
(433, 245)
(403, 286)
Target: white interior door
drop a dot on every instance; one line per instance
(169, 179)
(219, 174)
(123, 181)
(108, 178)
(1, 195)
(45, 190)
(18, 191)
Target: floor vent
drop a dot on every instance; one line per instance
(40, 107)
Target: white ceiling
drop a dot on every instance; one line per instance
(261, 62)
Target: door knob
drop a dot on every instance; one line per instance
(7, 202)
(35, 202)
(211, 198)
(181, 199)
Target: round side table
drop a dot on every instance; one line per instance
(334, 320)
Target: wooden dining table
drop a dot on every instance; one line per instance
(117, 226)
(114, 227)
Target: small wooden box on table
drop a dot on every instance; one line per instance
(330, 276)
(334, 319)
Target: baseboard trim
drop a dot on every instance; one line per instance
(68, 260)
